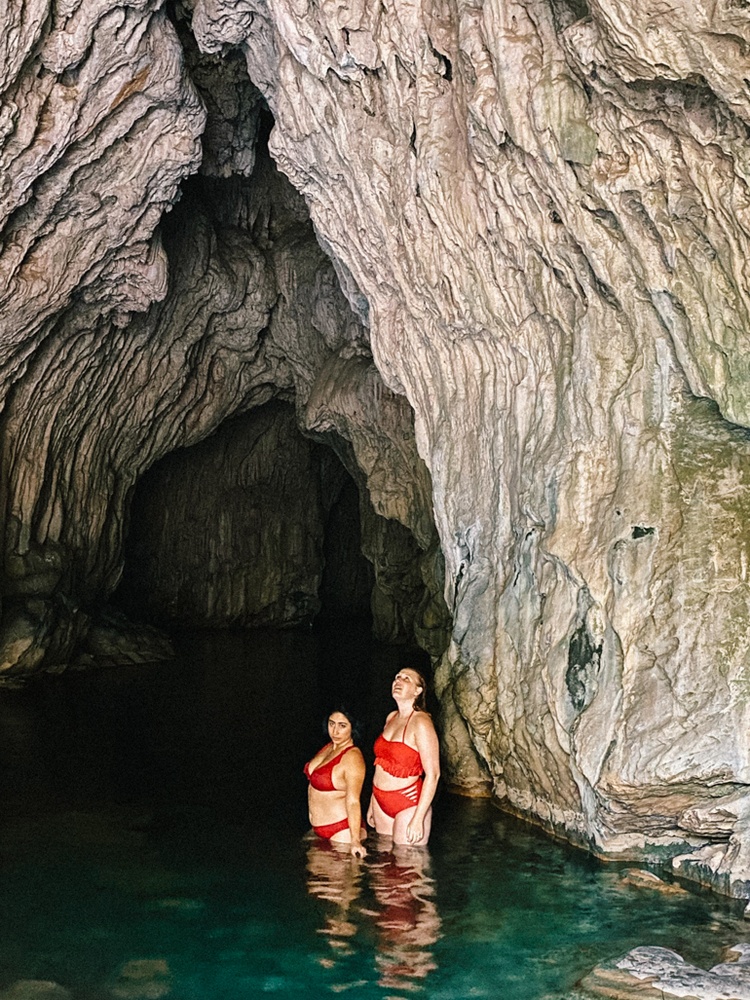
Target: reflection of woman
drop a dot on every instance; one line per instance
(336, 774)
(406, 918)
(332, 879)
(407, 765)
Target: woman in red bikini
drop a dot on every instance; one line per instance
(407, 766)
(336, 774)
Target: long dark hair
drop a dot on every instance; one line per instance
(355, 723)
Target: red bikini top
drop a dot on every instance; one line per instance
(322, 777)
(397, 757)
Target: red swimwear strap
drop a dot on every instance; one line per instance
(403, 735)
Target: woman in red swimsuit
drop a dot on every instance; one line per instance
(407, 766)
(336, 774)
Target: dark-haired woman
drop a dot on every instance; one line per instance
(407, 765)
(335, 775)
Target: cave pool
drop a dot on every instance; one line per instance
(152, 845)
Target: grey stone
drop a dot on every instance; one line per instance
(659, 972)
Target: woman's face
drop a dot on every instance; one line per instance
(339, 728)
(406, 685)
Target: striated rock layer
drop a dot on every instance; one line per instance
(528, 342)
(545, 207)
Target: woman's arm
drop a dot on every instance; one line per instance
(429, 750)
(354, 776)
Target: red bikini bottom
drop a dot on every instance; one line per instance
(394, 801)
(328, 831)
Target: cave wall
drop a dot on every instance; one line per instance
(535, 217)
(259, 525)
(546, 208)
(249, 310)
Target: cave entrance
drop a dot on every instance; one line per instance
(255, 526)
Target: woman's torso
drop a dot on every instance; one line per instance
(327, 801)
(397, 760)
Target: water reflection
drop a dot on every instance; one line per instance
(406, 917)
(334, 877)
(394, 893)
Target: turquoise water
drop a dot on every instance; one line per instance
(153, 846)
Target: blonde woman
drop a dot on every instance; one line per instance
(407, 765)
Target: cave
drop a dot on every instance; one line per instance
(254, 526)
(435, 320)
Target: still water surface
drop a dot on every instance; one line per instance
(153, 845)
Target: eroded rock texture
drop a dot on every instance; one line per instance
(249, 308)
(536, 217)
(551, 235)
(653, 973)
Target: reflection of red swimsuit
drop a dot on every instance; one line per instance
(322, 780)
(402, 761)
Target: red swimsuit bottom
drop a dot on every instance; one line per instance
(328, 831)
(394, 801)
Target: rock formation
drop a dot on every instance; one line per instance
(653, 973)
(519, 318)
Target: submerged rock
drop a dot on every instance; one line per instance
(35, 989)
(647, 880)
(143, 979)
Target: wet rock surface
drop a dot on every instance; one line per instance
(660, 972)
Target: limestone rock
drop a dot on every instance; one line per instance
(556, 283)
(82, 88)
(658, 972)
(143, 979)
(229, 534)
(647, 880)
(725, 861)
(112, 641)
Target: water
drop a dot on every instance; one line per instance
(153, 846)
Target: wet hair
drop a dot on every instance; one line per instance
(355, 723)
(420, 702)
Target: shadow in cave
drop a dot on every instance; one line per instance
(256, 526)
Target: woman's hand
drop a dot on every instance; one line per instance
(358, 850)
(370, 815)
(415, 830)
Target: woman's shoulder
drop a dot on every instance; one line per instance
(389, 719)
(422, 722)
(353, 757)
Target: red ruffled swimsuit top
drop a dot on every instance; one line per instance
(397, 757)
(322, 777)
